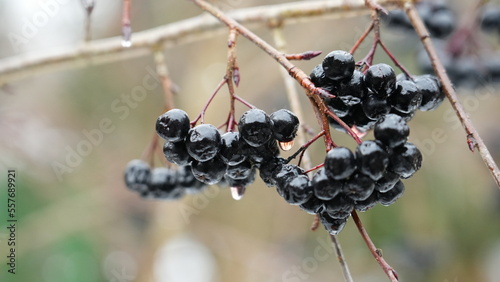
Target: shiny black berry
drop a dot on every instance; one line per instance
(390, 197)
(255, 127)
(381, 79)
(239, 171)
(203, 142)
(339, 207)
(285, 125)
(137, 175)
(285, 173)
(338, 65)
(313, 205)
(358, 187)
(392, 130)
(297, 190)
(319, 79)
(339, 163)
(432, 95)
(324, 187)
(209, 172)
(405, 160)
(163, 185)
(351, 91)
(387, 182)
(268, 169)
(407, 97)
(231, 150)
(372, 159)
(375, 107)
(332, 225)
(368, 203)
(176, 153)
(173, 125)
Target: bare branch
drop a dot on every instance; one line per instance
(109, 50)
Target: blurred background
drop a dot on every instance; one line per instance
(78, 222)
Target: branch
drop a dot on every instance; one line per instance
(377, 254)
(109, 50)
(474, 141)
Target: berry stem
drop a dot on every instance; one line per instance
(440, 71)
(202, 113)
(391, 273)
(362, 38)
(315, 168)
(244, 102)
(305, 146)
(394, 60)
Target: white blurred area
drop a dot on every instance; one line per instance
(33, 26)
(184, 259)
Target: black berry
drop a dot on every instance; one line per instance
(203, 142)
(255, 127)
(339, 163)
(173, 125)
(285, 125)
(338, 65)
(392, 130)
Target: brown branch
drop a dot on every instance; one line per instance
(391, 273)
(109, 50)
(474, 140)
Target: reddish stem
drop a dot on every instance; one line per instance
(303, 56)
(391, 273)
(305, 146)
(202, 113)
(394, 60)
(362, 38)
(315, 168)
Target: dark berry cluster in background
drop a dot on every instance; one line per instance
(467, 62)
(362, 99)
(160, 182)
(438, 18)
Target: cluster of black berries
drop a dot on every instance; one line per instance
(160, 182)
(363, 99)
(233, 156)
(348, 181)
(437, 16)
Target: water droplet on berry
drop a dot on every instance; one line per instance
(286, 146)
(237, 192)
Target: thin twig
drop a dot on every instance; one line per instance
(163, 74)
(341, 258)
(391, 273)
(474, 140)
(110, 50)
